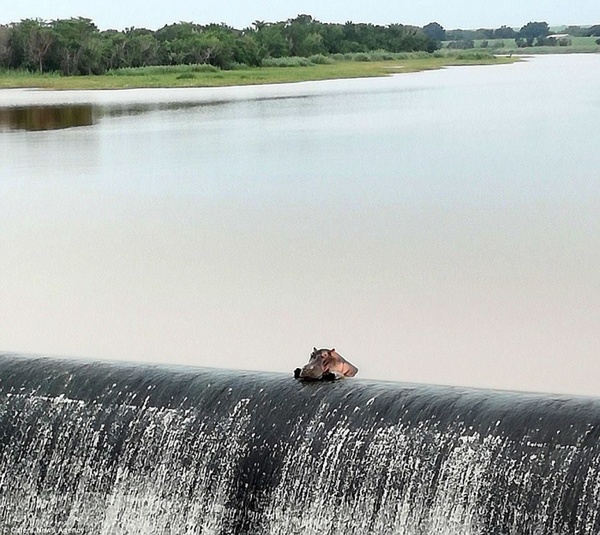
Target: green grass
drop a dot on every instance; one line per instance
(585, 42)
(579, 45)
(207, 76)
(163, 69)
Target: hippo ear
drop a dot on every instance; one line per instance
(314, 349)
(332, 350)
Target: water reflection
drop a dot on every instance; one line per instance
(38, 118)
(132, 109)
(35, 118)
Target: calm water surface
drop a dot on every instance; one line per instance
(440, 227)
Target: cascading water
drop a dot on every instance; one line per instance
(113, 448)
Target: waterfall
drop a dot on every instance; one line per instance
(121, 448)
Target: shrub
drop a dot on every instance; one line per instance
(204, 67)
(361, 57)
(382, 55)
(474, 54)
(293, 61)
(320, 59)
(163, 69)
(462, 44)
(235, 66)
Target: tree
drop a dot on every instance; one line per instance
(534, 30)
(247, 51)
(29, 44)
(178, 30)
(223, 38)
(140, 48)
(409, 39)
(484, 33)
(72, 39)
(460, 35)
(271, 40)
(435, 31)
(39, 37)
(504, 32)
(575, 31)
(463, 44)
(297, 30)
(94, 56)
(4, 46)
(312, 44)
(593, 31)
(115, 47)
(333, 35)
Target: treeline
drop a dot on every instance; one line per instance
(76, 46)
(532, 33)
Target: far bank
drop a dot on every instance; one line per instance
(208, 76)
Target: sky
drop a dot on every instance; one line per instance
(466, 14)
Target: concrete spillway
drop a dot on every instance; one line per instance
(107, 448)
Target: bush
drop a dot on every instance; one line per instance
(320, 59)
(293, 61)
(4, 71)
(382, 55)
(163, 69)
(236, 66)
(204, 67)
(462, 44)
(474, 54)
(361, 57)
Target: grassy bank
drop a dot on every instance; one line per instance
(294, 71)
(578, 45)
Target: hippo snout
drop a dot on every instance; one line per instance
(312, 371)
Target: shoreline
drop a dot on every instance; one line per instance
(187, 78)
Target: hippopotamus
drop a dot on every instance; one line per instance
(325, 364)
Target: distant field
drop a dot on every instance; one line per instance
(579, 45)
(506, 46)
(585, 41)
(206, 76)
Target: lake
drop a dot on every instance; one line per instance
(439, 227)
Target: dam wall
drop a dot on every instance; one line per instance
(119, 448)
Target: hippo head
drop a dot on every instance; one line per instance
(326, 364)
(315, 368)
